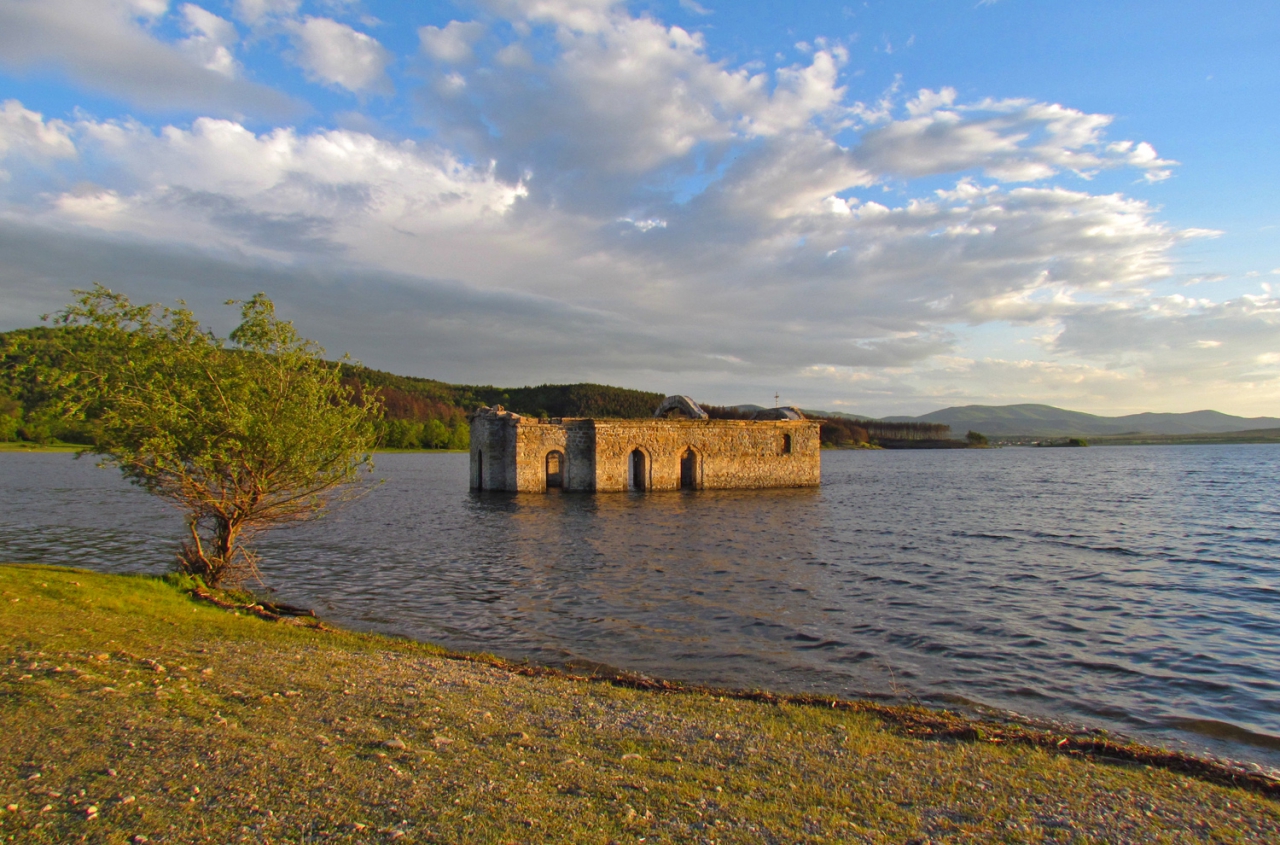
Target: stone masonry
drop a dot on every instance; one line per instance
(529, 455)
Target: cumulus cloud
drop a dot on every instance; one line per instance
(1008, 140)
(210, 39)
(219, 184)
(25, 132)
(624, 98)
(451, 43)
(103, 46)
(334, 53)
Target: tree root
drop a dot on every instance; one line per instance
(270, 611)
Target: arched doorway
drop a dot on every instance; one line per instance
(555, 470)
(638, 467)
(689, 470)
(479, 470)
(786, 444)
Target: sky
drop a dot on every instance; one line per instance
(876, 207)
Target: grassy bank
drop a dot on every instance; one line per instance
(130, 709)
(23, 446)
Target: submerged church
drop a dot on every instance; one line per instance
(680, 448)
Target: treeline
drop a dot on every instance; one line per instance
(422, 413)
(26, 412)
(847, 431)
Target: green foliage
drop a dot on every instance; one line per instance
(574, 400)
(244, 434)
(976, 439)
(10, 419)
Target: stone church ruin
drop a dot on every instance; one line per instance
(680, 448)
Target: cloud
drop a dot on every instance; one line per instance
(603, 199)
(452, 43)
(1008, 140)
(210, 40)
(220, 185)
(25, 132)
(621, 99)
(102, 46)
(336, 54)
(255, 11)
(695, 7)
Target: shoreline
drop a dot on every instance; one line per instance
(130, 692)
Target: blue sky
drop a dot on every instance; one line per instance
(877, 207)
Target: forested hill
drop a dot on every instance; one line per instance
(420, 412)
(404, 394)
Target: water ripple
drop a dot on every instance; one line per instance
(1132, 588)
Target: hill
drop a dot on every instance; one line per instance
(1048, 421)
(419, 412)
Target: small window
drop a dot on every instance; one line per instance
(786, 444)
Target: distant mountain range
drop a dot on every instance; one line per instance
(1048, 421)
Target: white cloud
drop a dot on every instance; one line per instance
(1009, 140)
(210, 40)
(26, 132)
(102, 46)
(218, 184)
(452, 43)
(336, 54)
(623, 97)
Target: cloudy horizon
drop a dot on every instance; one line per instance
(842, 207)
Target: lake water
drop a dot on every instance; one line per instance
(1135, 589)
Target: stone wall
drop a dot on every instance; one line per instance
(730, 454)
(509, 452)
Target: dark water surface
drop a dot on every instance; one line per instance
(1136, 589)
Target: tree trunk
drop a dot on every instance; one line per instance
(218, 562)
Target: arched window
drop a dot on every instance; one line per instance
(689, 470)
(555, 470)
(638, 474)
(786, 444)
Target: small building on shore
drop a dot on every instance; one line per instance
(679, 448)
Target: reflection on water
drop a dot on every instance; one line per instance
(1130, 588)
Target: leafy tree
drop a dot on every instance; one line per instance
(435, 435)
(460, 437)
(10, 418)
(244, 434)
(976, 439)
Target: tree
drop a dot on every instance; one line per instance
(977, 439)
(245, 433)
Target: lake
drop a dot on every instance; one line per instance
(1135, 589)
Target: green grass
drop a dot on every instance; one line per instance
(182, 722)
(23, 446)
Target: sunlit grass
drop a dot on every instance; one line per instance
(182, 722)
